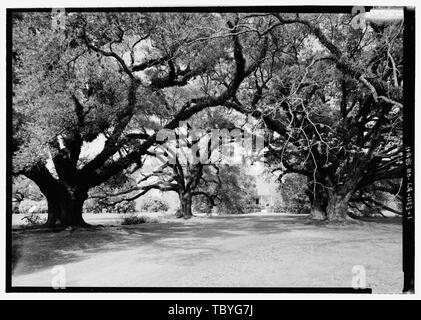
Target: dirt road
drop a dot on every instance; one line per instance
(262, 251)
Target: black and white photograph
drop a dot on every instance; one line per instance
(210, 149)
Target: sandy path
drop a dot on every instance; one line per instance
(266, 251)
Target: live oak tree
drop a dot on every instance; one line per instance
(292, 188)
(194, 162)
(334, 100)
(331, 96)
(211, 184)
(180, 177)
(102, 79)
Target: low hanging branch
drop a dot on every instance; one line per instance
(370, 202)
(190, 108)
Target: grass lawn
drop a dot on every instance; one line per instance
(250, 250)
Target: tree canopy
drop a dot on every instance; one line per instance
(328, 95)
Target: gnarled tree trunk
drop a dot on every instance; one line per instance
(65, 207)
(65, 202)
(186, 204)
(337, 207)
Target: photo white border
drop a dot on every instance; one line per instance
(193, 296)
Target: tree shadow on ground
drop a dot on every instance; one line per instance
(383, 220)
(37, 249)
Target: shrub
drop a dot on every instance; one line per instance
(233, 193)
(295, 200)
(135, 219)
(33, 219)
(36, 206)
(125, 207)
(92, 206)
(252, 208)
(201, 204)
(99, 206)
(154, 205)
